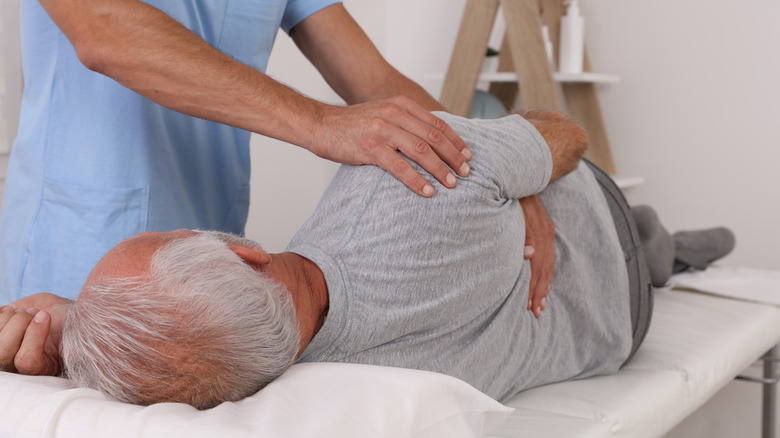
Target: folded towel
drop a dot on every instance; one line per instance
(762, 286)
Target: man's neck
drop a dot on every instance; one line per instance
(307, 287)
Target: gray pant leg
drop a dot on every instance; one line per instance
(640, 286)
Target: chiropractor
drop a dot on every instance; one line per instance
(136, 116)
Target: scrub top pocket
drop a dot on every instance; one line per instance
(249, 30)
(75, 226)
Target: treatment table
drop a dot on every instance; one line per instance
(696, 344)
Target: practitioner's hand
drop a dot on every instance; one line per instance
(540, 249)
(30, 330)
(374, 132)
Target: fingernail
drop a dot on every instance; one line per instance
(428, 190)
(32, 310)
(464, 169)
(538, 311)
(528, 251)
(20, 310)
(451, 179)
(467, 153)
(40, 317)
(544, 303)
(530, 303)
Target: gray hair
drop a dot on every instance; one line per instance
(201, 328)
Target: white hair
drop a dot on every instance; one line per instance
(201, 328)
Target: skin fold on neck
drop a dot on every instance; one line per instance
(307, 287)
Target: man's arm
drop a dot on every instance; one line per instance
(566, 139)
(147, 51)
(567, 142)
(30, 330)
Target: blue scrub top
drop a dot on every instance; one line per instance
(95, 163)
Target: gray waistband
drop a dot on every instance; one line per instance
(640, 287)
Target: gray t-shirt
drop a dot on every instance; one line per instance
(440, 284)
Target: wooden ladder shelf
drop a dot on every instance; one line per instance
(523, 52)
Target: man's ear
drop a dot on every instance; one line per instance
(251, 255)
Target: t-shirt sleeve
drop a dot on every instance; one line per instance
(298, 10)
(512, 153)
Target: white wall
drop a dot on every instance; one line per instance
(287, 181)
(697, 112)
(10, 81)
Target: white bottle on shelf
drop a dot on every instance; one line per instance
(548, 46)
(572, 45)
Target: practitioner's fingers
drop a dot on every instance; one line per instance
(441, 139)
(378, 132)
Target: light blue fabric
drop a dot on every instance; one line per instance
(95, 163)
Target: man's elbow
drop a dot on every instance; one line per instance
(580, 141)
(567, 145)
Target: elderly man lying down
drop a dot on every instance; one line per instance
(377, 275)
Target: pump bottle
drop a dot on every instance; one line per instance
(572, 45)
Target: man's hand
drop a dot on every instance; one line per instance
(540, 249)
(374, 132)
(30, 331)
(567, 141)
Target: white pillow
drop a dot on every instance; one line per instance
(309, 400)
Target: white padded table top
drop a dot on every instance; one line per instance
(696, 344)
(535, 423)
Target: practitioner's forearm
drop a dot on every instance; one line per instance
(147, 51)
(350, 62)
(150, 53)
